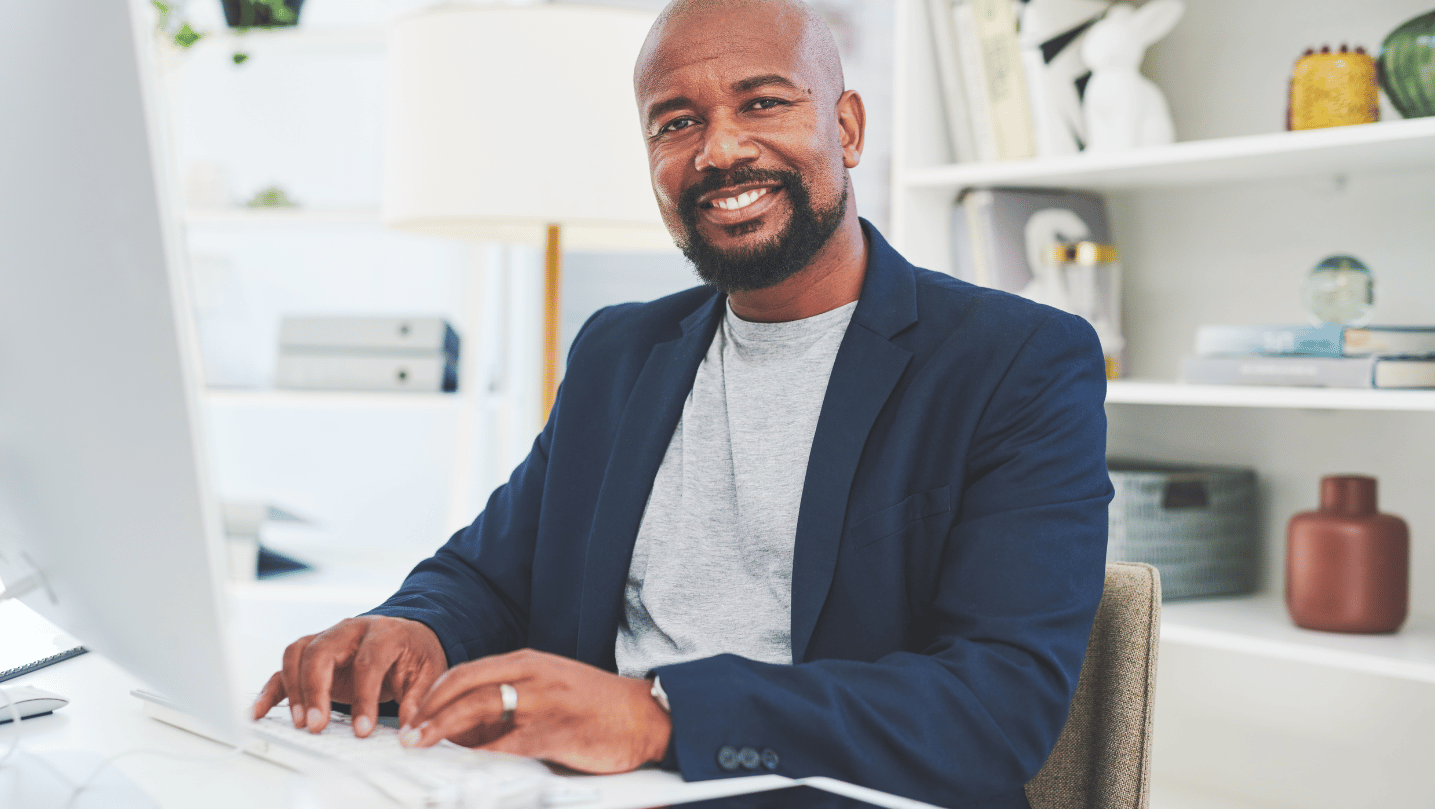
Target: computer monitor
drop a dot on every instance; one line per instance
(104, 512)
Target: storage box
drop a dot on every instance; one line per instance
(1195, 524)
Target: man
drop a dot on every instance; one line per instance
(849, 516)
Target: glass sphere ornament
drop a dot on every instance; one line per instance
(1339, 291)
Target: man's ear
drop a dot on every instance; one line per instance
(852, 124)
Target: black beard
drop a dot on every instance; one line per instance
(770, 262)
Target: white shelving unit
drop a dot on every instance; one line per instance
(1258, 625)
(1271, 155)
(1221, 228)
(278, 217)
(1129, 391)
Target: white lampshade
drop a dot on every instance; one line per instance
(503, 119)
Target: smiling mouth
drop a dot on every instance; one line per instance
(740, 201)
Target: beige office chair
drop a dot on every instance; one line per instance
(1102, 759)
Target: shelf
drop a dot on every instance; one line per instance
(1180, 393)
(269, 217)
(299, 38)
(1390, 145)
(332, 399)
(1258, 625)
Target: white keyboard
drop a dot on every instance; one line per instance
(445, 776)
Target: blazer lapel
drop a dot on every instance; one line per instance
(647, 426)
(867, 368)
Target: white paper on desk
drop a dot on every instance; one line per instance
(26, 637)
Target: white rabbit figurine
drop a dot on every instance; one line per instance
(1124, 109)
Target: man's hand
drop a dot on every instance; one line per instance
(568, 712)
(362, 661)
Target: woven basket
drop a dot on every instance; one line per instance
(1195, 524)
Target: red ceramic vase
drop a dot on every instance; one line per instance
(1347, 565)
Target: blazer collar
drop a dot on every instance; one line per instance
(867, 368)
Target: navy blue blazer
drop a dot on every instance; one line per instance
(949, 553)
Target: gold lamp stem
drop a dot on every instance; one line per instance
(552, 284)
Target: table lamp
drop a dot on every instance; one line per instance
(516, 123)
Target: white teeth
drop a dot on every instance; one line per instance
(740, 201)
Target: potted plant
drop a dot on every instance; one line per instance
(171, 25)
(261, 13)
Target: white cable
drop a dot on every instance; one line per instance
(84, 785)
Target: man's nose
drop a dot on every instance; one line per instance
(725, 144)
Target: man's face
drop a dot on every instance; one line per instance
(744, 146)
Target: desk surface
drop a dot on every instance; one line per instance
(178, 769)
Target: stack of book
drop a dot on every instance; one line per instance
(1012, 75)
(368, 354)
(1314, 356)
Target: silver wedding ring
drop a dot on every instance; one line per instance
(509, 695)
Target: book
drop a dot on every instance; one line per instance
(951, 81)
(1316, 372)
(330, 370)
(993, 78)
(973, 77)
(1050, 43)
(1316, 341)
(416, 335)
(29, 642)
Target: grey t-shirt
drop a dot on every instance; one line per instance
(712, 564)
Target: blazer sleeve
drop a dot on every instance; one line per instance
(972, 710)
(475, 591)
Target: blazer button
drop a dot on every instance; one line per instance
(770, 759)
(748, 758)
(727, 757)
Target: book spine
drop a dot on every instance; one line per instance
(949, 77)
(969, 50)
(1313, 372)
(1048, 129)
(963, 261)
(1314, 341)
(1005, 79)
(398, 334)
(976, 206)
(333, 371)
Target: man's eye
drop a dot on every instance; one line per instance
(675, 125)
(767, 103)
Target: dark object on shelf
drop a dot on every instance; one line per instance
(261, 13)
(272, 563)
(1195, 524)
(1333, 89)
(1347, 565)
(1407, 66)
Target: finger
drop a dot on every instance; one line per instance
(371, 666)
(472, 676)
(475, 716)
(325, 653)
(412, 693)
(269, 695)
(293, 654)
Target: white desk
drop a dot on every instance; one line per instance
(104, 718)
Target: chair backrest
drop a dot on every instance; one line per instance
(1102, 759)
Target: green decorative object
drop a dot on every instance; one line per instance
(272, 197)
(1407, 66)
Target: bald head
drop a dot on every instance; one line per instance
(797, 22)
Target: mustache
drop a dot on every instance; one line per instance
(688, 202)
